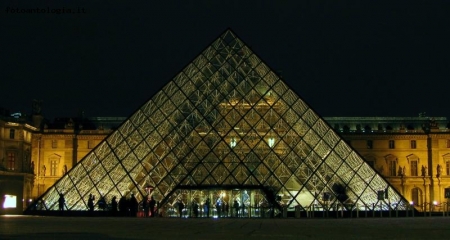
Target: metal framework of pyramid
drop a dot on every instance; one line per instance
(226, 122)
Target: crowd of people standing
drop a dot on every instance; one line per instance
(149, 207)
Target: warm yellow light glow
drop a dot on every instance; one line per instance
(12, 124)
(271, 142)
(31, 127)
(233, 142)
(10, 201)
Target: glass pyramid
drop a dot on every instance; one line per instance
(228, 127)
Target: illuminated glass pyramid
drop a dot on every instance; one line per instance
(226, 124)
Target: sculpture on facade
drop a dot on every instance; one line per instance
(438, 170)
(424, 171)
(400, 171)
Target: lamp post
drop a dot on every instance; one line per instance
(411, 204)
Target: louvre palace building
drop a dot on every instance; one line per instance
(225, 130)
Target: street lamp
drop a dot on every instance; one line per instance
(411, 204)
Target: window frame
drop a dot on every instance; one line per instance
(11, 160)
(414, 167)
(447, 168)
(413, 144)
(12, 133)
(391, 144)
(392, 168)
(53, 167)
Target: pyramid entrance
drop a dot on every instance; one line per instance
(226, 121)
(224, 201)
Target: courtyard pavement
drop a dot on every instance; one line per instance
(37, 227)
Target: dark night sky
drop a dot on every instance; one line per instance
(342, 58)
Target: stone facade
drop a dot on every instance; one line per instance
(413, 154)
(60, 145)
(16, 167)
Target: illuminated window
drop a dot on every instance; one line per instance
(414, 170)
(369, 144)
(413, 144)
(54, 144)
(11, 160)
(392, 168)
(53, 167)
(10, 201)
(391, 144)
(12, 133)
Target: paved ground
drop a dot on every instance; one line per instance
(33, 227)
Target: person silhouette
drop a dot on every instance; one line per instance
(180, 207)
(61, 202)
(91, 203)
(151, 205)
(236, 208)
(195, 209)
(145, 205)
(219, 207)
(206, 206)
(114, 206)
(133, 203)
